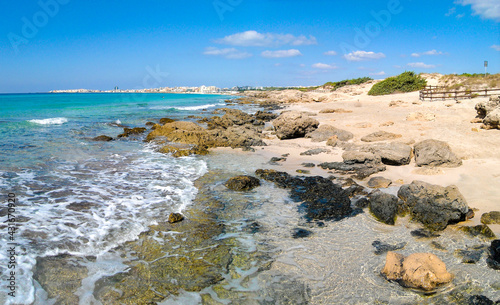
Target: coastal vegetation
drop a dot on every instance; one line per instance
(347, 82)
(407, 81)
(471, 81)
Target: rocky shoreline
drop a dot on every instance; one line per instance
(211, 260)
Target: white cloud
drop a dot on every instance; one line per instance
(330, 53)
(431, 52)
(281, 53)
(488, 9)
(324, 66)
(230, 53)
(420, 65)
(363, 55)
(378, 73)
(460, 16)
(256, 39)
(495, 47)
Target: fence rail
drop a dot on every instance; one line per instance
(443, 93)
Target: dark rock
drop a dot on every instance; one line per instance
(362, 203)
(164, 121)
(303, 171)
(315, 151)
(432, 205)
(149, 124)
(423, 233)
(324, 132)
(384, 206)
(479, 230)
(380, 136)
(242, 183)
(253, 227)
(494, 257)
(438, 246)
(381, 247)
(491, 218)
(355, 190)
(103, 138)
(294, 124)
(321, 198)
(131, 131)
(308, 164)
(470, 255)
(435, 153)
(480, 300)
(175, 217)
(301, 233)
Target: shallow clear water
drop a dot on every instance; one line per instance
(83, 197)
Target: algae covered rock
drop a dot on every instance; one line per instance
(384, 206)
(127, 132)
(492, 217)
(242, 183)
(175, 217)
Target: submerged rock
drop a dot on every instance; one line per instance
(419, 270)
(381, 247)
(435, 153)
(321, 198)
(301, 233)
(242, 183)
(294, 124)
(432, 205)
(471, 255)
(183, 150)
(164, 121)
(103, 138)
(423, 233)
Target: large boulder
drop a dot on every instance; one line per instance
(360, 164)
(435, 153)
(380, 136)
(383, 206)
(419, 270)
(492, 119)
(432, 205)
(294, 124)
(392, 153)
(325, 132)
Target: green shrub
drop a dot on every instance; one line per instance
(405, 82)
(346, 82)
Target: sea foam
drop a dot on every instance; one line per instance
(51, 121)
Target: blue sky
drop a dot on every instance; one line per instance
(69, 44)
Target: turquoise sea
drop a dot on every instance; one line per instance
(77, 196)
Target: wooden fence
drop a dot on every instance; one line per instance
(443, 93)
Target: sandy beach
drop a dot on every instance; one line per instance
(478, 179)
